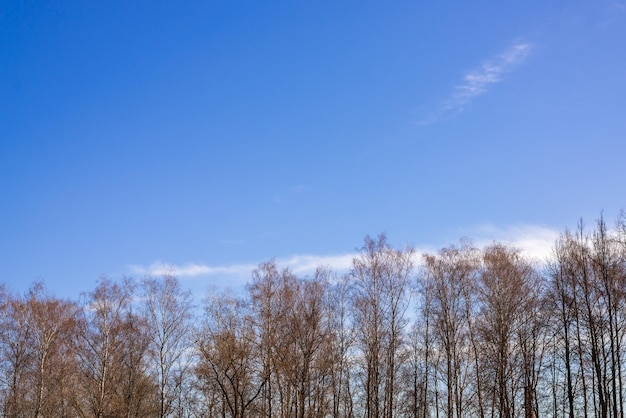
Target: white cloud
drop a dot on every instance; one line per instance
(299, 264)
(306, 264)
(478, 81)
(534, 241)
(160, 268)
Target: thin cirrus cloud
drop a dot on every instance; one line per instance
(160, 268)
(299, 264)
(535, 242)
(478, 82)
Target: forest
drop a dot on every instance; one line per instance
(460, 332)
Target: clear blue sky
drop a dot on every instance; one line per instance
(218, 134)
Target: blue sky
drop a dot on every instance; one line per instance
(210, 136)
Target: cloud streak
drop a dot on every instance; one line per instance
(160, 268)
(477, 82)
(299, 264)
(534, 241)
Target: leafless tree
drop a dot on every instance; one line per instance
(489, 336)
(342, 345)
(310, 363)
(608, 268)
(167, 311)
(588, 279)
(229, 361)
(382, 279)
(16, 334)
(98, 346)
(137, 388)
(52, 324)
(508, 288)
(449, 283)
(267, 297)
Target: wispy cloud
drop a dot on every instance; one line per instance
(618, 5)
(297, 189)
(306, 264)
(477, 82)
(534, 241)
(299, 264)
(287, 194)
(160, 268)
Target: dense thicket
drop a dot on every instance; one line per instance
(463, 332)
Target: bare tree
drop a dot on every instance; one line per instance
(292, 317)
(98, 347)
(563, 298)
(267, 304)
(167, 311)
(608, 267)
(33, 334)
(382, 279)
(532, 339)
(490, 337)
(136, 390)
(588, 279)
(342, 344)
(449, 287)
(508, 287)
(229, 355)
(310, 365)
(52, 324)
(17, 355)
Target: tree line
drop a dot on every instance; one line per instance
(461, 332)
